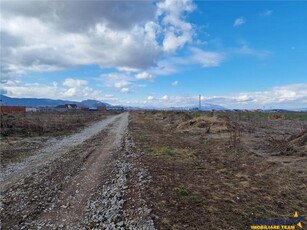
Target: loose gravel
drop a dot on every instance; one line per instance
(114, 202)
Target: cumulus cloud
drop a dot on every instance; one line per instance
(125, 90)
(179, 32)
(290, 96)
(239, 21)
(143, 75)
(56, 35)
(286, 96)
(70, 82)
(68, 89)
(120, 81)
(150, 98)
(165, 97)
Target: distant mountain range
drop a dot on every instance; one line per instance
(35, 102)
(205, 107)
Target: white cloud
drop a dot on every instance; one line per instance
(239, 22)
(207, 58)
(69, 82)
(52, 91)
(175, 83)
(195, 56)
(172, 42)
(246, 50)
(178, 31)
(70, 92)
(143, 75)
(266, 13)
(165, 97)
(124, 90)
(122, 82)
(59, 35)
(286, 96)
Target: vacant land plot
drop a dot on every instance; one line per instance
(221, 172)
(154, 170)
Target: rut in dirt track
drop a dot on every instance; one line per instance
(72, 202)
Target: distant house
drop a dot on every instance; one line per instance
(101, 108)
(31, 109)
(12, 109)
(84, 108)
(68, 106)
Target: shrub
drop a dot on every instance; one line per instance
(275, 116)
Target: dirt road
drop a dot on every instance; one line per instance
(78, 182)
(51, 150)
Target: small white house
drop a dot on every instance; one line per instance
(29, 109)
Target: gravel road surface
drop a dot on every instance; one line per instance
(82, 181)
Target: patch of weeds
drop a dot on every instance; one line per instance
(149, 151)
(196, 198)
(170, 151)
(182, 191)
(188, 195)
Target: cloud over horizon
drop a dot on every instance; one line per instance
(138, 49)
(112, 34)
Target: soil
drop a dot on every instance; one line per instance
(157, 170)
(242, 170)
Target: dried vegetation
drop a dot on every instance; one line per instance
(212, 171)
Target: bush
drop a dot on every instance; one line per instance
(275, 116)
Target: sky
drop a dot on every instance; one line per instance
(237, 54)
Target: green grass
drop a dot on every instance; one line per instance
(182, 191)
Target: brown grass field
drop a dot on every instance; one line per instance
(207, 170)
(214, 171)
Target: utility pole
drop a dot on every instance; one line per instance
(199, 108)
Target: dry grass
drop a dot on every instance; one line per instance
(274, 116)
(42, 123)
(211, 124)
(217, 186)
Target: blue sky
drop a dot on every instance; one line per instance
(238, 54)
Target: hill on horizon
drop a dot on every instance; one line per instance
(35, 102)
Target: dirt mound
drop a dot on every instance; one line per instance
(299, 142)
(171, 117)
(212, 124)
